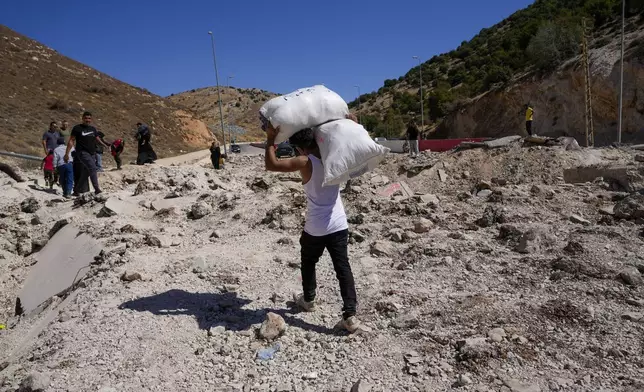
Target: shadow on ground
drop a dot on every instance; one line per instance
(214, 309)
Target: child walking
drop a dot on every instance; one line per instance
(47, 166)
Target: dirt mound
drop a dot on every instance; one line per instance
(39, 86)
(546, 295)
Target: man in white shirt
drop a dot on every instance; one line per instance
(326, 223)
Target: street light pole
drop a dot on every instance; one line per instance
(359, 111)
(230, 107)
(621, 78)
(221, 112)
(422, 114)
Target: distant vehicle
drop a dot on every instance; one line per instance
(235, 148)
(284, 150)
(380, 139)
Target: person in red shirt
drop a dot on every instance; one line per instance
(48, 169)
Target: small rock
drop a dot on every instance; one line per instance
(237, 216)
(517, 386)
(639, 158)
(310, 376)
(429, 199)
(463, 380)
(442, 175)
(218, 330)
(381, 248)
(422, 225)
(361, 386)
(633, 316)
(484, 193)
(483, 185)
(273, 327)
(396, 235)
(131, 276)
(536, 190)
(358, 236)
(499, 181)
(35, 382)
(216, 234)
(574, 248)
(199, 265)
(496, 335)
(153, 241)
(607, 210)
(285, 241)
(630, 276)
(199, 351)
(406, 321)
(128, 229)
(579, 220)
(29, 205)
(519, 339)
(200, 210)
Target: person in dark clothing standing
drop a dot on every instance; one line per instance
(145, 152)
(85, 137)
(215, 154)
(412, 137)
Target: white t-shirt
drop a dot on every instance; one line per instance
(325, 212)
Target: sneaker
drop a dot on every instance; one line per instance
(302, 304)
(98, 192)
(351, 324)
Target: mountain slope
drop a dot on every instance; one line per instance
(240, 108)
(529, 45)
(39, 85)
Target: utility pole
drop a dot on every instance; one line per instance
(422, 114)
(359, 111)
(621, 78)
(221, 112)
(588, 98)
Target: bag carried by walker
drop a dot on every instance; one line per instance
(303, 108)
(347, 151)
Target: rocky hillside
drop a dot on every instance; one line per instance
(532, 56)
(240, 108)
(39, 86)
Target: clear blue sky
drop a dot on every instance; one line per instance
(276, 45)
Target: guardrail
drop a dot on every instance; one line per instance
(21, 156)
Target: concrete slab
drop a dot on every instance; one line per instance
(629, 178)
(391, 189)
(62, 262)
(115, 206)
(504, 141)
(177, 202)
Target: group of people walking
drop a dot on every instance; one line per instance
(73, 158)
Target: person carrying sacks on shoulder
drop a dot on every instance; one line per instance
(326, 224)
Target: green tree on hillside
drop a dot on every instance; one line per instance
(553, 44)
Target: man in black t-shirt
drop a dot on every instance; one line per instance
(85, 138)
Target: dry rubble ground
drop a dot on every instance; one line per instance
(492, 275)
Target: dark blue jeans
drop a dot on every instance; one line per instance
(66, 175)
(337, 245)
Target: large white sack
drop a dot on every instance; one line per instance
(347, 151)
(303, 108)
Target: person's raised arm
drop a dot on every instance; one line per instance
(285, 165)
